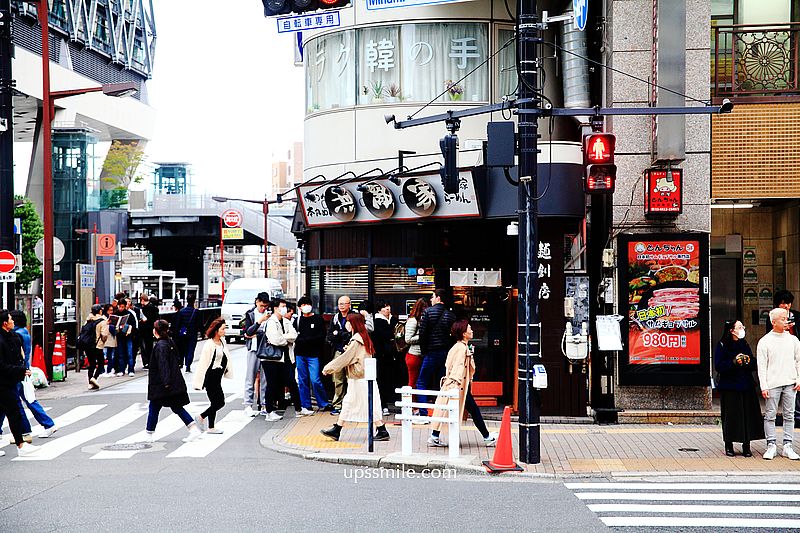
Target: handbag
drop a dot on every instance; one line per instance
(28, 391)
(268, 352)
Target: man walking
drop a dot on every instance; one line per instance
(307, 349)
(254, 328)
(186, 329)
(434, 341)
(338, 337)
(12, 372)
(778, 357)
(149, 314)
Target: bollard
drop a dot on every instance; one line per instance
(370, 374)
(454, 429)
(406, 398)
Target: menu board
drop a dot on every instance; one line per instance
(663, 302)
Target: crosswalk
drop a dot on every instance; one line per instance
(737, 506)
(90, 423)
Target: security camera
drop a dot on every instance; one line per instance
(726, 107)
(389, 118)
(311, 197)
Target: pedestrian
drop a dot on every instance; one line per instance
(434, 341)
(12, 372)
(214, 364)
(308, 348)
(414, 353)
(165, 384)
(778, 357)
(338, 337)
(355, 405)
(41, 416)
(280, 374)
(123, 330)
(135, 337)
(367, 310)
(96, 344)
(385, 352)
(784, 299)
(460, 368)
(149, 312)
(291, 310)
(254, 329)
(739, 404)
(110, 346)
(186, 330)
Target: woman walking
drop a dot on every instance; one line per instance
(214, 364)
(459, 369)
(739, 401)
(354, 405)
(414, 354)
(95, 353)
(165, 385)
(110, 344)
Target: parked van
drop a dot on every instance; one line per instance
(240, 296)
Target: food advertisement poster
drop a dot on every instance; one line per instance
(667, 303)
(750, 276)
(749, 257)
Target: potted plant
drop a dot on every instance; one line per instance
(376, 90)
(393, 93)
(454, 90)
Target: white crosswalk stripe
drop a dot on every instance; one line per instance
(232, 424)
(730, 505)
(70, 417)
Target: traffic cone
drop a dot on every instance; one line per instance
(503, 460)
(38, 359)
(59, 358)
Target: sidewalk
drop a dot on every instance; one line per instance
(567, 450)
(78, 383)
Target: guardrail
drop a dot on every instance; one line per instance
(408, 417)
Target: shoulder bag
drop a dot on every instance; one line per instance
(268, 352)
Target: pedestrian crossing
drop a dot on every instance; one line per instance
(771, 506)
(86, 425)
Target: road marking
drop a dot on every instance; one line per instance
(721, 509)
(165, 427)
(685, 486)
(29, 416)
(61, 445)
(678, 521)
(233, 423)
(70, 417)
(717, 497)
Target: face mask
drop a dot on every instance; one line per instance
(281, 311)
(740, 333)
(305, 309)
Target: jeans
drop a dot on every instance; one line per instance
(155, 408)
(188, 355)
(111, 360)
(36, 408)
(430, 374)
(253, 368)
(11, 406)
(785, 395)
(124, 354)
(308, 370)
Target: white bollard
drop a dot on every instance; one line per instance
(454, 436)
(406, 398)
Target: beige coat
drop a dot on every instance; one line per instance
(101, 331)
(205, 361)
(281, 338)
(352, 359)
(459, 369)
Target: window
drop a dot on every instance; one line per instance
(506, 61)
(330, 72)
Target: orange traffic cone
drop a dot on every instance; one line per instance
(503, 460)
(38, 359)
(59, 358)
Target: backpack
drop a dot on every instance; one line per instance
(400, 337)
(87, 338)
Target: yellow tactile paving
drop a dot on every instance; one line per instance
(309, 441)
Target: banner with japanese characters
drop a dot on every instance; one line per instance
(418, 196)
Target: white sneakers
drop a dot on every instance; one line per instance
(2, 453)
(273, 417)
(194, 433)
(436, 441)
(249, 411)
(150, 437)
(771, 451)
(305, 412)
(27, 449)
(789, 453)
(200, 423)
(491, 440)
(214, 431)
(49, 432)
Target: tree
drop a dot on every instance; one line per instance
(32, 231)
(120, 169)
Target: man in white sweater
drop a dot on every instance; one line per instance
(778, 357)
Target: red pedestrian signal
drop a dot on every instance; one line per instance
(598, 157)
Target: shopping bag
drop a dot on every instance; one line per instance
(28, 392)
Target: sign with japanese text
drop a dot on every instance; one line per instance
(373, 5)
(313, 21)
(663, 194)
(417, 196)
(232, 234)
(664, 309)
(232, 218)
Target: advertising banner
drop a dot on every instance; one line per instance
(667, 303)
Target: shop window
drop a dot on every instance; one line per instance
(506, 63)
(352, 281)
(330, 72)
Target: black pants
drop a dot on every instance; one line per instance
(147, 349)
(9, 406)
(279, 377)
(475, 412)
(213, 385)
(95, 356)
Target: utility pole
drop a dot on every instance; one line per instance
(528, 323)
(6, 143)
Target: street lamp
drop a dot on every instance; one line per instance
(48, 110)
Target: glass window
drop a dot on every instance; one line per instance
(330, 72)
(506, 63)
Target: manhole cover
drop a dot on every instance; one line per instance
(688, 449)
(127, 447)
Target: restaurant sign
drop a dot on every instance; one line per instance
(364, 201)
(663, 192)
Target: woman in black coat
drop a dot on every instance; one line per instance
(739, 400)
(165, 385)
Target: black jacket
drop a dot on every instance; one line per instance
(338, 336)
(165, 383)
(310, 336)
(383, 337)
(12, 364)
(151, 313)
(434, 329)
(733, 376)
(189, 318)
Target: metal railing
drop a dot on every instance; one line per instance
(407, 404)
(755, 61)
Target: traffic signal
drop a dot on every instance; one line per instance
(449, 172)
(598, 157)
(283, 7)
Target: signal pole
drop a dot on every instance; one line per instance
(6, 143)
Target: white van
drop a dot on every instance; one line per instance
(240, 296)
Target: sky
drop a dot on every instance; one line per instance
(226, 92)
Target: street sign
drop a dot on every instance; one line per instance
(8, 278)
(306, 22)
(106, 245)
(8, 260)
(580, 10)
(232, 234)
(87, 273)
(58, 250)
(59, 284)
(232, 218)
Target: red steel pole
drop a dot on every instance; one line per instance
(266, 239)
(221, 258)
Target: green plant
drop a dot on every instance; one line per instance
(454, 90)
(375, 88)
(120, 169)
(32, 231)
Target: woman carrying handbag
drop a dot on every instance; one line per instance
(214, 364)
